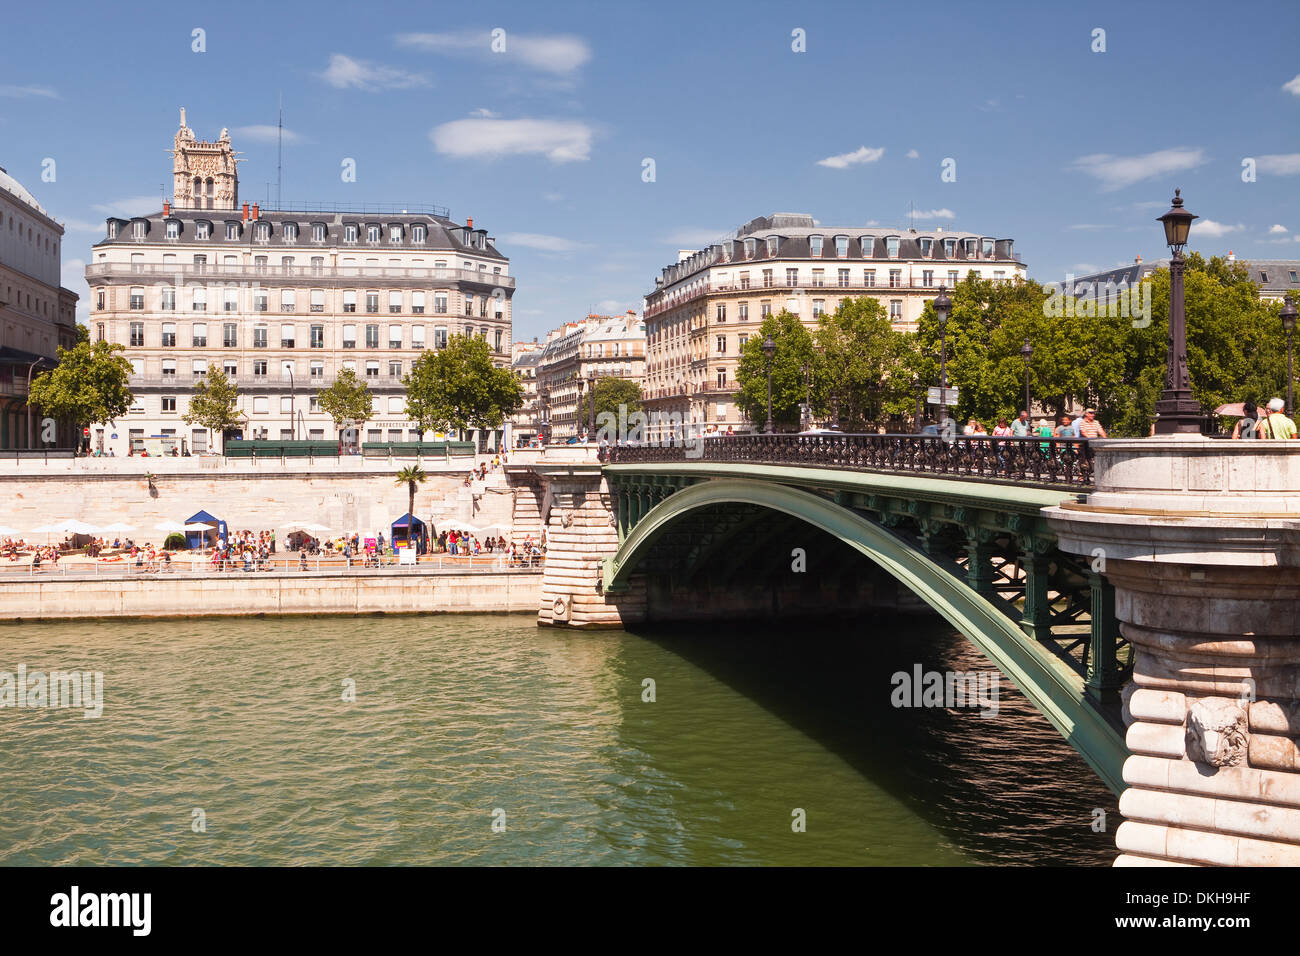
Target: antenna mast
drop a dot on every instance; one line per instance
(279, 151)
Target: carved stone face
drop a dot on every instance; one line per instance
(1217, 732)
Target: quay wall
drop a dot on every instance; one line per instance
(351, 494)
(241, 594)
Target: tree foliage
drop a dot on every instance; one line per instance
(348, 399)
(88, 387)
(794, 353)
(607, 394)
(214, 403)
(412, 476)
(457, 387)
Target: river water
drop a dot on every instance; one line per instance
(485, 740)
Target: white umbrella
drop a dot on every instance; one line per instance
(67, 526)
(171, 526)
(199, 526)
(5, 529)
(308, 526)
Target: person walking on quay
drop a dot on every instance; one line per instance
(1248, 425)
(1088, 426)
(1277, 425)
(1022, 427)
(302, 560)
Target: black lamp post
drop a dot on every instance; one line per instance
(1176, 411)
(292, 404)
(30, 369)
(1288, 323)
(1027, 351)
(769, 351)
(591, 392)
(942, 309)
(577, 414)
(916, 390)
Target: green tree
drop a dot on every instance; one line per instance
(794, 352)
(83, 333)
(213, 403)
(87, 387)
(411, 475)
(607, 394)
(347, 400)
(457, 387)
(858, 361)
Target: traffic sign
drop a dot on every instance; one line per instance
(936, 396)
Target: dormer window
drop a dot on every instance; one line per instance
(232, 230)
(263, 232)
(350, 233)
(968, 247)
(418, 233)
(138, 229)
(772, 243)
(112, 228)
(394, 233)
(372, 233)
(927, 247)
(868, 245)
(815, 245)
(988, 249)
(891, 246)
(949, 248)
(318, 232)
(202, 230)
(841, 247)
(290, 231)
(750, 248)
(173, 229)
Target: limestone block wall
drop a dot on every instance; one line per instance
(256, 499)
(581, 533)
(238, 593)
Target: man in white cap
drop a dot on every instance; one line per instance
(1277, 425)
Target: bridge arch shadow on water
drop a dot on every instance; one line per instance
(1000, 790)
(723, 548)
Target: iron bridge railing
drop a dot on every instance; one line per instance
(1050, 462)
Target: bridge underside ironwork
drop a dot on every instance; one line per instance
(978, 554)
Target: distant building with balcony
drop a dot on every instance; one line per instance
(525, 423)
(576, 355)
(283, 301)
(706, 305)
(37, 315)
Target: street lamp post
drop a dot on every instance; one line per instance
(591, 392)
(1288, 323)
(577, 412)
(292, 405)
(916, 390)
(769, 351)
(806, 419)
(30, 369)
(942, 309)
(1176, 411)
(1027, 351)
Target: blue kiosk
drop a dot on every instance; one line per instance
(195, 539)
(409, 531)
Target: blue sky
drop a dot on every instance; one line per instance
(1070, 152)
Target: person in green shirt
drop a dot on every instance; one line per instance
(1277, 425)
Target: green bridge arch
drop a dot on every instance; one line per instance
(1052, 687)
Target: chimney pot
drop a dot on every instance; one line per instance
(245, 212)
(469, 223)
(167, 209)
(256, 214)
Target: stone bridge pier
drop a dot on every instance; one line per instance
(1201, 540)
(581, 532)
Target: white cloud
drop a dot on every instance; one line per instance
(267, 134)
(873, 222)
(1293, 86)
(131, 206)
(990, 106)
(934, 214)
(553, 197)
(22, 92)
(615, 306)
(72, 275)
(1275, 229)
(1116, 172)
(344, 72)
(1083, 268)
(1087, 226)
(482, 113)
(560, 141)
(544, 243)
(560, 54)
(1279, 164)
(913, 154)
(860, 155)
(1209, 229)
(82, 225)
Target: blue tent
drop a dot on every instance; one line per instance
(410, 531)
(195, 538)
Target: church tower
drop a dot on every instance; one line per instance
(205, 174)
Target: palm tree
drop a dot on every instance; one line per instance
(412, 475)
